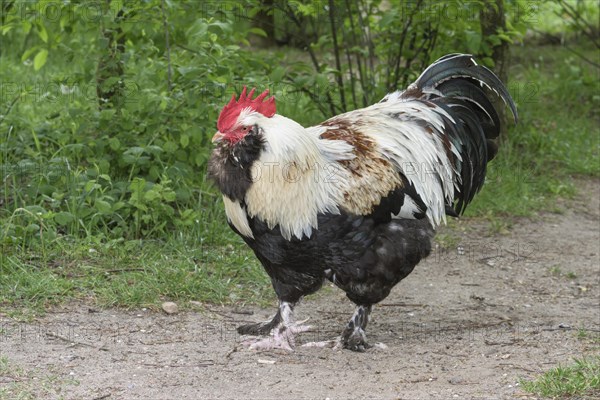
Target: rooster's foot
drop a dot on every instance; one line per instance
(282, 337)
(354, 337)
(355, 341)
(282, 330)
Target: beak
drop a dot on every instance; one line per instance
(217, 137)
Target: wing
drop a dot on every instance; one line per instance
(401, 166)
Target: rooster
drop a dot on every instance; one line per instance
(354, 200)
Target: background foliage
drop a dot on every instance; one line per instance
(107, 109)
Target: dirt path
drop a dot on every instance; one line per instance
(467, 323)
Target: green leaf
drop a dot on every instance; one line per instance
(107, 114)
(488, 62)
(114, 143)
(64, 20)
(277, 74)
(31, 228)
(64, 218)
(494, 40)
(151, 195)
(505, 37)
(42, 32)
(26, 26)
(137, 185)
(110, 82)
(40, 59)
(258, 32)
(170, 147)
(28, 53)
(184, 140)
(170, 196)
(118, 205)
(473, 41)
(103, 206)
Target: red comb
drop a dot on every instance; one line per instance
(229, 113)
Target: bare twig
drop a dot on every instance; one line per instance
(203, 363)
(243, 312)
(401, 305)
(222, 314)
(73, 342)
(558, 39)
(104, 396)
(359, 63)
(508, 343)
(580, 22)
(407, 25)
(500, 365)
(584, 58)
(336, 51)
(234, 349)
(350, 69)
(314, 96)
(368, 40)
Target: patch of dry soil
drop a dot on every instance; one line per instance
(468, 323)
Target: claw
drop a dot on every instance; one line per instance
(298, 328)
(271, 343)
(282, 337)
(282, 331)
(335, 344)
(303, 321)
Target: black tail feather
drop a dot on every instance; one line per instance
(454, 66)
(465, 89)
(455, 83)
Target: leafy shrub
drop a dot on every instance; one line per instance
(130, 162)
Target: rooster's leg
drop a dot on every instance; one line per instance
(353, 337)
(282, 335)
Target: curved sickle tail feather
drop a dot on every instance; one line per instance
(453, 66)
(456, 83)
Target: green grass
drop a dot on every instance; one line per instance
(131, 274)
(558, 272)
(580, 379)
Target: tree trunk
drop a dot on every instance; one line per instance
(265, 20)
(492, 21)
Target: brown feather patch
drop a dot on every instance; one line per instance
(412, 92)
(373, 176)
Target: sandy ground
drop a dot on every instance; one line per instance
(472, 320)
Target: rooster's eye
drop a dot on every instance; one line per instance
(244, 128)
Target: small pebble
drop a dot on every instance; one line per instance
(170, 307)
